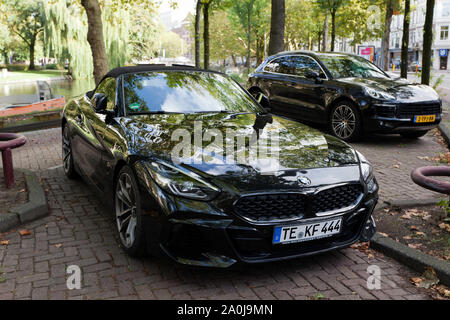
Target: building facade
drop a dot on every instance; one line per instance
(441, 41)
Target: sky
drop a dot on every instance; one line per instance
(177, 15)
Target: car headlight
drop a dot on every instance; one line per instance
(378, 94)
(367, 173)
(366, 167)
(181, 182)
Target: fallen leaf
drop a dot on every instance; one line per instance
(414, 228)
(24, 232)
(396, 166)
(430, 274)
(407, 237)
(445, 226)
(444, 292)
(59, 245)
(419, 233)
(416, 280)
(414, 245)
(4, 242)
(383, 234)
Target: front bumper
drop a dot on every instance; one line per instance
(382, 118)
(200, 234)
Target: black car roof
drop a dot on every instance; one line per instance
(114, 73)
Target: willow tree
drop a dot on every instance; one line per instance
(95, 38)
(67, 30)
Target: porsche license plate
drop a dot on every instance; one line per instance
(423, 119)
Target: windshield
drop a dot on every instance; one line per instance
(345, 66)
(185, 92)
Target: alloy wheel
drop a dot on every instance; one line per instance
(126, 210)
(343, 121)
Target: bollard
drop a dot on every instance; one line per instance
(8, 170)
(9, 141)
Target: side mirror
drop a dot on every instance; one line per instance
(264, 102)
(313, 75)
(99, 103)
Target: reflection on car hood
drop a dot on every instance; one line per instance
(288, 145)
(401, 89)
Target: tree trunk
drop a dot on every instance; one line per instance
(333, 28)
(427, 42)
(277, 24)
(405, 40)
(319, 40)
(387, 34)
(249, 37)
(233, 57)
(206, 35)
(198, 13)
(325, 35)
(95, 38)
(5, 57)
(32, 47)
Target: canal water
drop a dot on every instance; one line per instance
(22, 93)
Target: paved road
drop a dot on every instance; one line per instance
(79, 231)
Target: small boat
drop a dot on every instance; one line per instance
(47, 102)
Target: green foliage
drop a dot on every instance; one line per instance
(16, 67)
(128, 27)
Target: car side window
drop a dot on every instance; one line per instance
(304, 64)
(279, 65)
(108, 87)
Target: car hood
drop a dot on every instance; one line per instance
(401, 89)
(286, 148)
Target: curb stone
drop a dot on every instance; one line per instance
(411, 257)
(34, 209)
(445, 131)
(408, 203)
(408, 256)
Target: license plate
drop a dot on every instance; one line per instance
(307, 232)
(422, 119)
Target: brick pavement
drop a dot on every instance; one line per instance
(79, 231)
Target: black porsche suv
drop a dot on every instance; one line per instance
(346, 92)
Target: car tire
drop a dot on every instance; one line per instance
(345, 122)
(414, 134)
(128, 214)
(68, 166)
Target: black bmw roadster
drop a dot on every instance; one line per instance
(210, 206)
